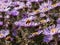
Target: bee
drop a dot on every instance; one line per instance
(28, 21)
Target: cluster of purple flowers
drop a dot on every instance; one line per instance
(19, 15)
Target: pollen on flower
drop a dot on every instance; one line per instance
(1, 35)
(45, 9)
(53, 30)
(54, 5)
(36, 33)
(43, 21)
(36, 11)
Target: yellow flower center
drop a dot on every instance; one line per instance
(36, 33)
(54, 5)
(45, 9)
(43, 21)
(1, 35)
(53, 30)
(37, 11)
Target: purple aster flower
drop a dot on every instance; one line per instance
(47, 6)
(26, 24)
(30, 18)
(44, 8)
(1, 23)
(4, 6)
(24, 20)
(47, 38)
(4, 33)
(13, 12)
(51, 30)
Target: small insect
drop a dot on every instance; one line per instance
(28, 21)
(45, 9)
